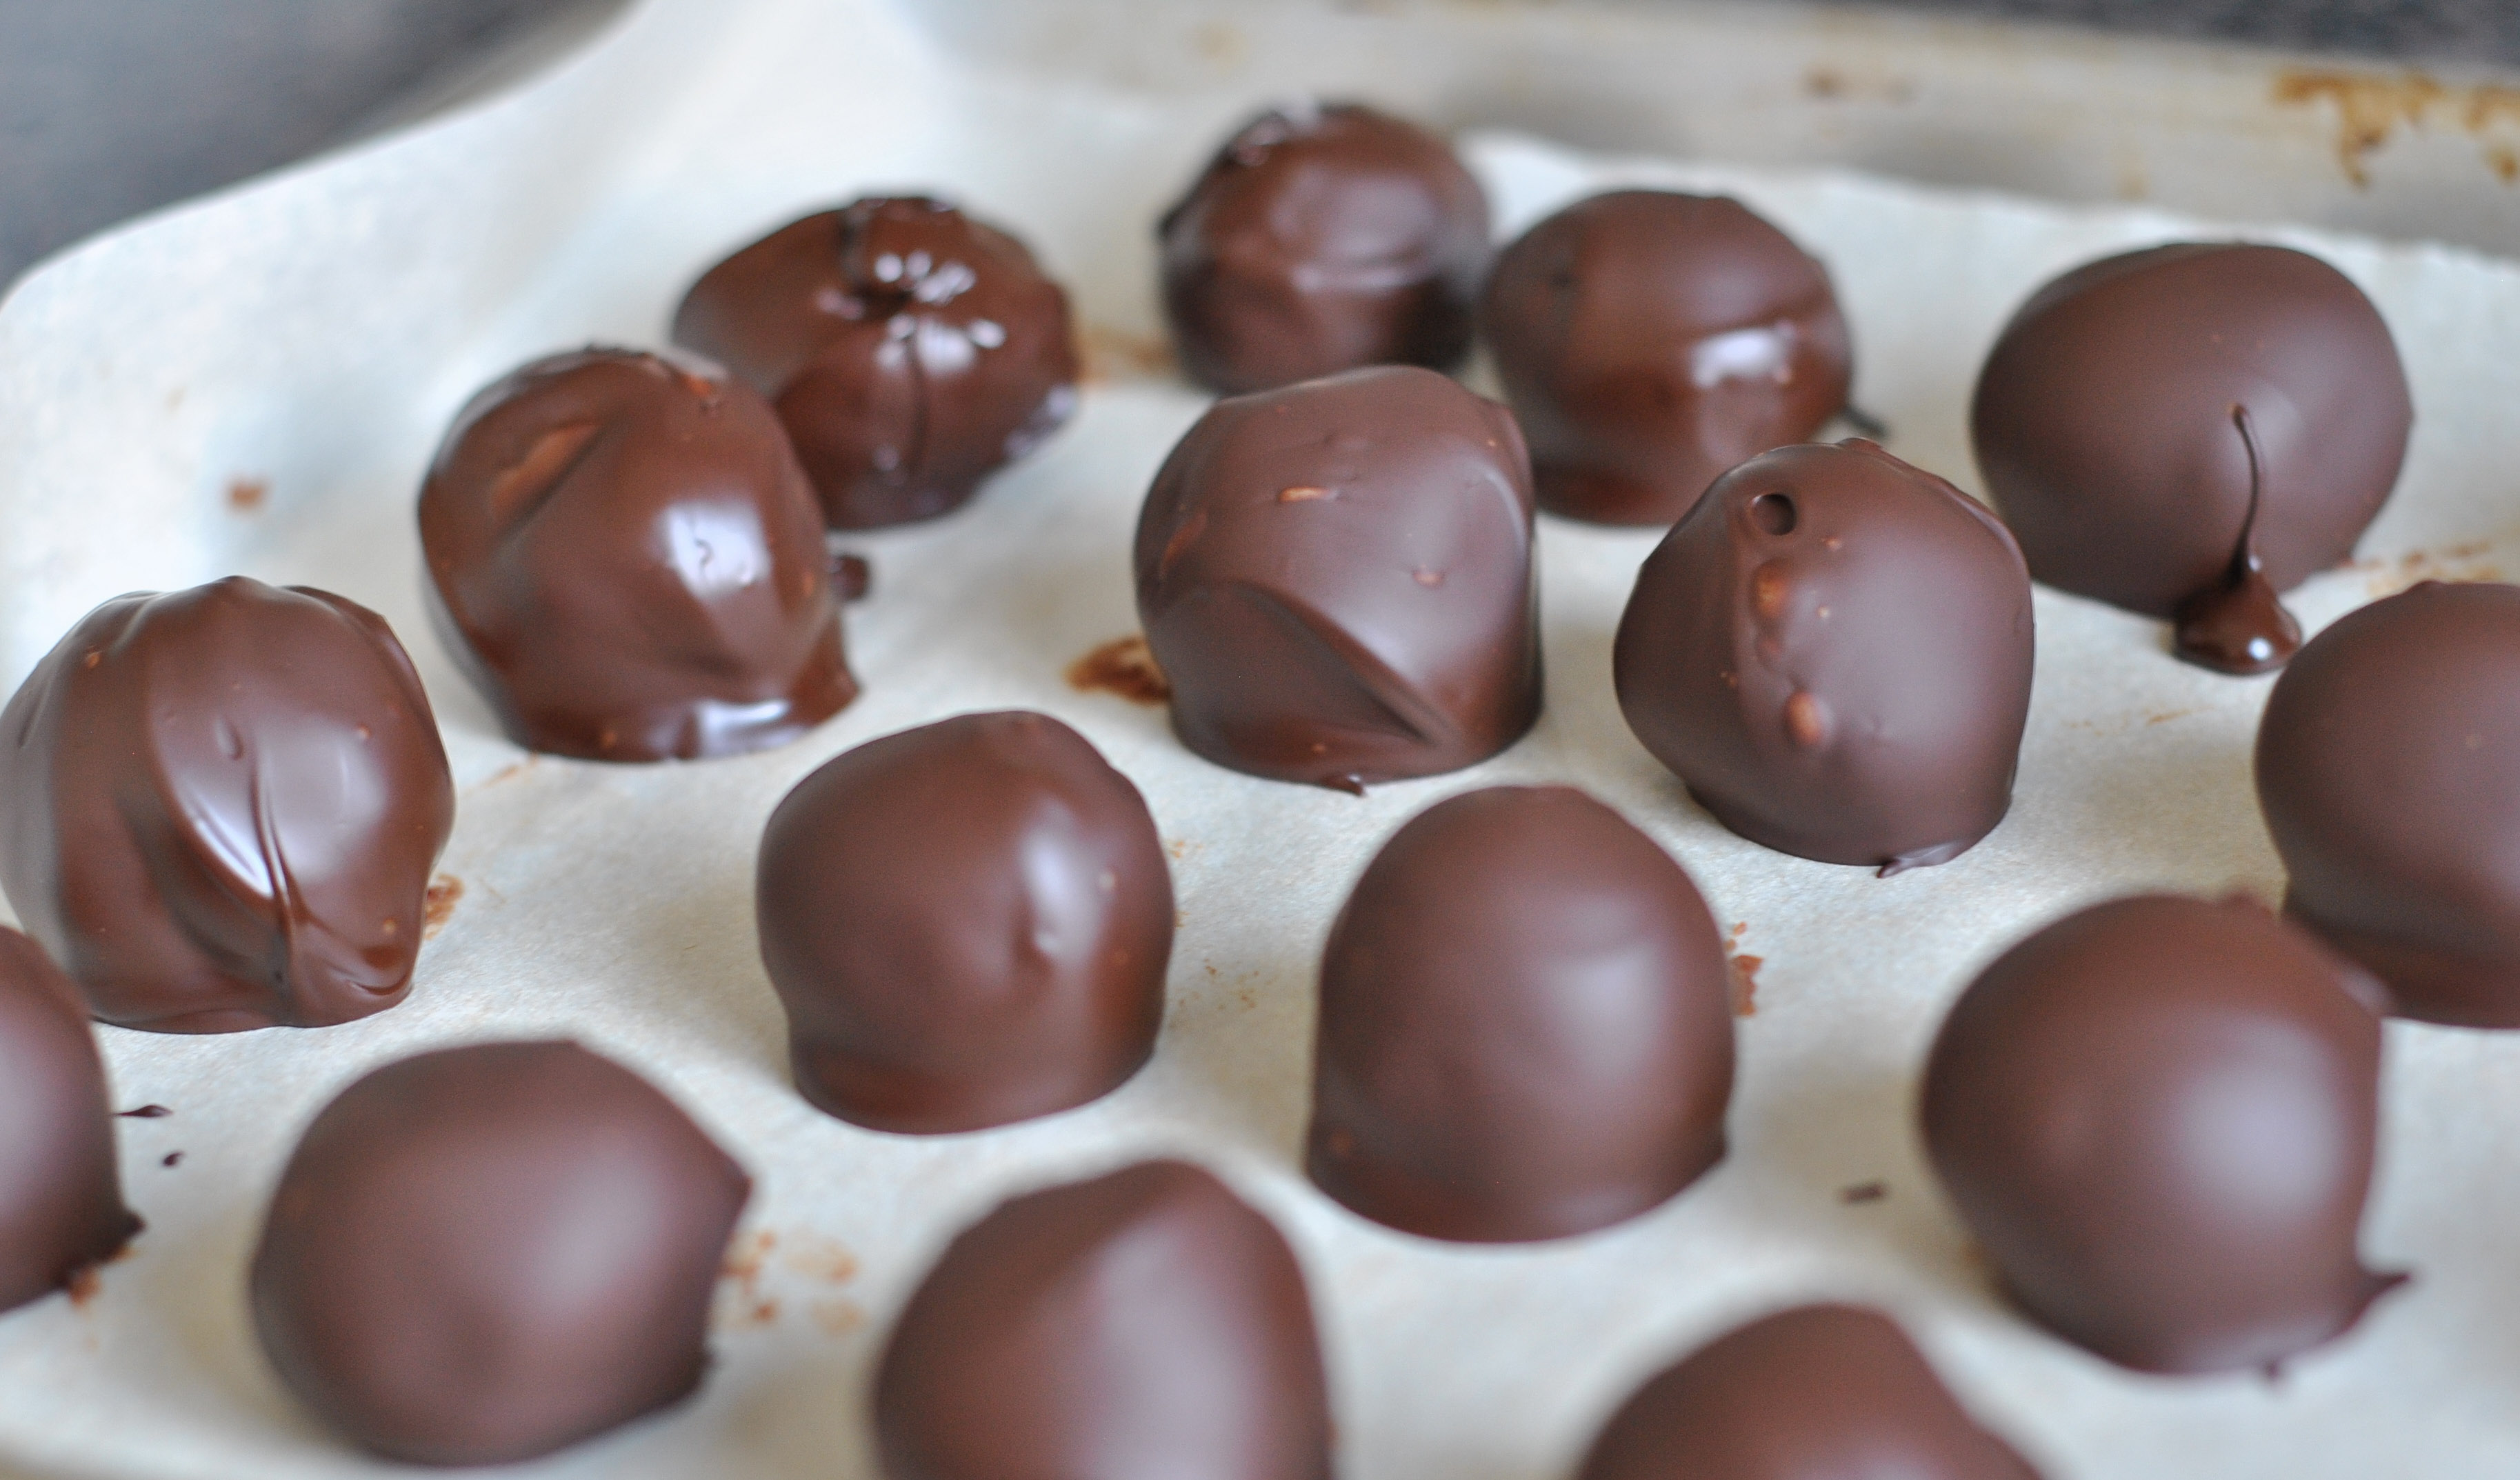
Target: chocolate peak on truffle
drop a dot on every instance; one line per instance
(2389, 770)
(2157, 1116)
(2239, 626)
(1322, 238)
(219, 808)
(1525, 1026)
(625, 556)
(1834, 651)
(483, 1254)
(969, 925)
(1649, 341)
(912, 352)
(1819, 1392)
(1336, 579)
(61, 1186)
(1143, 1325)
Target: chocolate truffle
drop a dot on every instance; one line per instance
(969, 924)
(2389, 770)
(2186, 430)
(1337, 580)
(624, 553)
(1833, 649)
(1143, 1326)
(61, 1189)
(2157, 1116)
(1650, 342)
(1525, 1026)
(486, 1253)
(911, 351)
(221, 808)
(1320, 238)
(1819, 1392)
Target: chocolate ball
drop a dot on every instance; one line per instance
(483, 1254)
(1143, 1325)
(1337, 580)
(1320, 238)
(969, 924)
(222, 808)
(61, 1189)
(911, 350)
(1650, 342)
(626, 557)
(1833, 649)
(2157, 1116)
(1525, 1026)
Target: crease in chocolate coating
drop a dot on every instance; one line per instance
(61, 1181)
(2240, 627)
(2388, 767)
(626, 558)
(2101, 420)
(219, 808)
(1142, 1326)
(911, 350)
(1321, 238)
(969, 925)
(1336, 579)
(1833, 650)
(1650, 342)
(2158, 1116)
(1819, 1392)
(484, 1254)
(1526, 1025)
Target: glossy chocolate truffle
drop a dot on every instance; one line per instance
(2157, 1116)
(1143, 1326)
(1525, 1026)
(1819, 1392)
(1320, 238)
(969, 924)
(482, 1254)
(1652, 342)
(221, 807)
(1337, 580)
(2389, 770)
(61, 1186)
(626, 557)
(911, 351)
(1833, 651)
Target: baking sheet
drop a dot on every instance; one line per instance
(254, 383)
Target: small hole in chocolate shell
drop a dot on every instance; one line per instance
(1774, 513)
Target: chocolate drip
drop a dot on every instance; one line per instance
(2239, 626)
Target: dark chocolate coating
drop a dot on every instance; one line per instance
(969, 924)
(219, 808)
(1526, 1025)
(1834, 651)
(1143, 1325)
(1819, 1392)
(486, 1253)
(1337, 580)
(1321, 239)
(626, 557)
(2157, 1116)
(60, 1184)
(912, 352)
(2389, 770)
(1650, 342)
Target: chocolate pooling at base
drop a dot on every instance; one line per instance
(2239, 626)
(61, 1181)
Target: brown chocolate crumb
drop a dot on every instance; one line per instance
(438, 904)
(171, 1158)
(1746, 984)
(84, 1285)
(146, 1113)
(1123, 666)
(248, 495)
(1864, 1191)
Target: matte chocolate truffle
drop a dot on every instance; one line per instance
(1320, 238)
(1833, 649)
(2389, 770)
(912, 352)
(1650, 342)
(61, 1186)
(969, 924)
(1819, 1392)
(1143, 1326)
(1525, 1029)
(2186, 430)
(2157, 1116)
(219, 808)
(482, 1254)
(1337, 580)
(625, 556)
